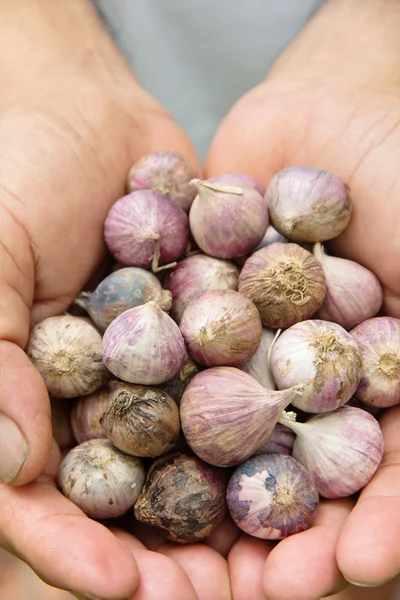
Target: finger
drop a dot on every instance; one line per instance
(161, 578)
(65, 548)
(223, 537)
(368, 551)
(205, 567)
(246, 563)
(303, 566)
(25, 432)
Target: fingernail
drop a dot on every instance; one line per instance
(13, 449)
(363, 585)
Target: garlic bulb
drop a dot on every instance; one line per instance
(143, 345)
(324, 358)
(183, 497)
(178, 384)
(272, 496)
(67, 351)
(341, 449)
(285, 282)
(227, 221)
(226, 415)
(195, 275)
(258, 366)
(379, 342)
(272, 236)
(123, 289)
(307, 204)
(166, 172)
(100, 479)
(221, 327)
(353, 293)
(141, 421)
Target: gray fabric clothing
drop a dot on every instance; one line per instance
(199, 56)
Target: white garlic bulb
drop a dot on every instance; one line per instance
(322, 356)
(258, 366)
(67, 351)
(103, 481)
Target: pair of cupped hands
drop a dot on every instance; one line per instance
(73, 119)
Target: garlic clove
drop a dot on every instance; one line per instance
(183, 497)
(379, 342)
(123, 289)
(307, 204)
(221, 327)
(100, 479)
(258, 365)
(67, 352)
(226, 415)
(272, 496)
(341, 449)
(323, 357)
(285, 282)
(227, 221)
(353, 293)
(144, 345)
(141, 421)
(166, 172)
(195, 275)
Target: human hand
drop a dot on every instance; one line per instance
(72, 121)
(332, 101)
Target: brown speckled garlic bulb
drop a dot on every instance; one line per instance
(141, 421)
(100, 479)
(285, 282)
(183, 497)
(67, 351)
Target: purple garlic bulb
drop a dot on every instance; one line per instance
(272, 496)
(123, 289)
(143, 345)
(281, 441)
(166, 172)
(307, 204)
(227, 221)
(144, 229)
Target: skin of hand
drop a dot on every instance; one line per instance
(333, 101)
(72, 122)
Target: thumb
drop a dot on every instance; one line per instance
(25, 425)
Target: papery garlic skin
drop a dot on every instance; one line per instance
(227, 221)
(221, 327)
(166, 172)
(272, 496)
(239, 179)
(142, 421)
(379, 342)
(121, 290)
(321, 355)
(144, 345)
(353, 293)
(195, 275)
(183, 497)
(100, 479)
(258, 366)
(285, 282)
(281, 441)
(144, 229)
(307, 204)
(341, 450)
(226, 415)
(67, 352)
